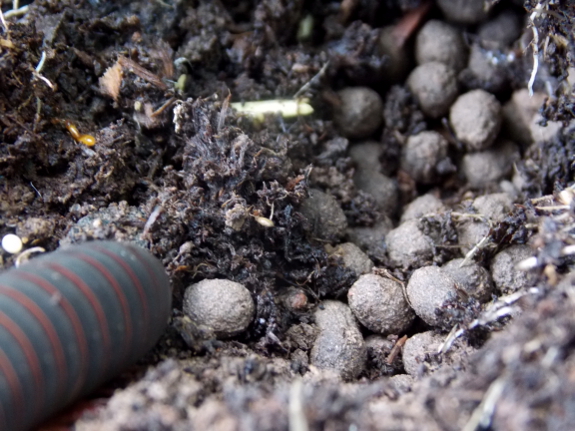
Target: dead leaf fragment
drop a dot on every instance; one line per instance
(111, 80)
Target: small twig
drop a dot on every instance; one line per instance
(16, 12)
(4, 23)
(453, 335)
(40, 65)
(312, 81)
(297, 419)
(224, 112)
(395, 350)
(25, 255)
(483, 414)
(36, 190)
(535, 44)
(142, 72)
(163, 107)
(480, 245)
(38, 69)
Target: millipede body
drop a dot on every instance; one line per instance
(72, 319)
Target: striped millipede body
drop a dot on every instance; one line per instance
(72, 319)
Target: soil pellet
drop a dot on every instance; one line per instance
(439, 41)
(493, 208)
(434, 85)
(371, 239)
(490, 166)
(518, 114)
(339, 345)
(419, 348)
(423, 205)
(369, 179)
(382, 188)
(420, 354)
(327, 219)
(366, 155)
(501, 30)
(494, 205)
(422, 155)
(397, 55)
(483, 73)
(223, 307)
(521, 119)
(353, 258)
(428, 289)
(402, 383)
(378, 347)
(359, 113)
(407, 246)
(472, 278)
(506, 276)
(379, 304)
(476, 118)
(463, 11)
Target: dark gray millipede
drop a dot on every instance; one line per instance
(72, 319)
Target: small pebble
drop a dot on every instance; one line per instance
(472, 278)
(407, 246)
(484, 71)
(476, 118)
(422, 205)
(339, 345)
(422, 156)
(360, 112)
(428, 289)
(463, 11)
(12, 243)
(379, 305)
(486, 167)
(353, 258)
(327, 219)
(371, 239)
(434, 86)
(506, 276)
(439, 41)
(223, 307)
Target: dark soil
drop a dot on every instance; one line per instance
(177, 171)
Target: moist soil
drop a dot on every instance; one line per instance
(177, 171)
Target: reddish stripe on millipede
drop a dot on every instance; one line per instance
(126, 345)
(133, 277)
(15, 385)
(31, 358)
(82, 344)
(156, 284)
(96, 306)
(46, 324)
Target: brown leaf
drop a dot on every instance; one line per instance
(111, 80)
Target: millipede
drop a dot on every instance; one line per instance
(72, 319)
